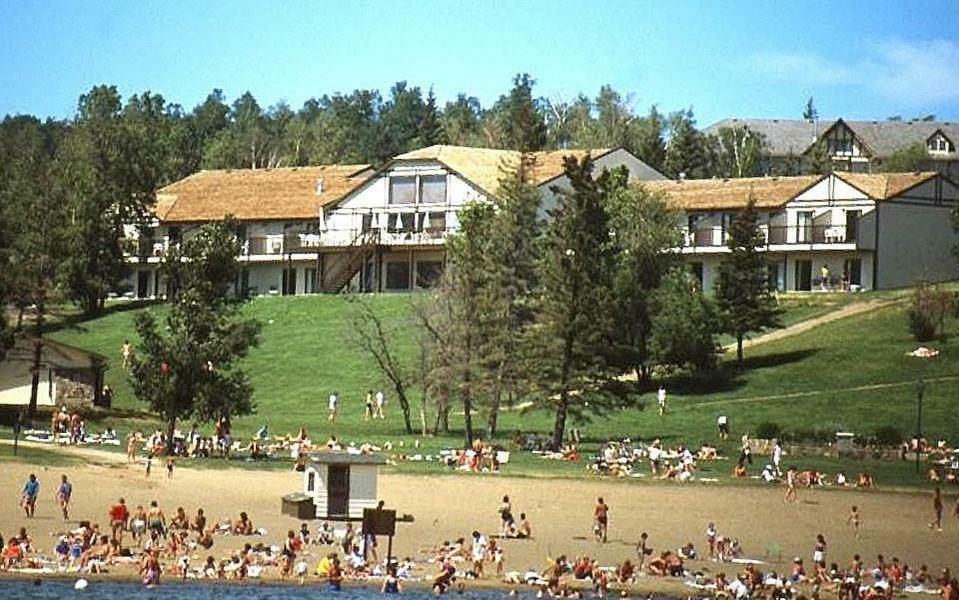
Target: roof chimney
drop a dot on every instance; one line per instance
(319, 186)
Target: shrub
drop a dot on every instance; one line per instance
(768, 430)
(888, 435)
(927, 310)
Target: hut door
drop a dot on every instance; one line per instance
(338, 490)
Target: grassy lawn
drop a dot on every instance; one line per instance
(848, 375)
(36, 456)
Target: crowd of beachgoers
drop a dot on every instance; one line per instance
(151, 542)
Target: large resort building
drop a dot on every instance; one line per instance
(340, 228)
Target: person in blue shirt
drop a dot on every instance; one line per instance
(64, 491)
(28, 498)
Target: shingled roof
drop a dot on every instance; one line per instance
(881, 138)
(774, 192)
(484, 166)
(256, 194)
(731, 194)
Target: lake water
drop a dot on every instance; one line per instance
(110, 590)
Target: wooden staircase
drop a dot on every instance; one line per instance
(361, 246)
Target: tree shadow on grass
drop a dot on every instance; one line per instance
(76, 321)
(732, 376)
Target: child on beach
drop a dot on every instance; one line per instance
(936, 509)
(791, 493)
(169, 467)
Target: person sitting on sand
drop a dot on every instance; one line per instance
(865, 480)
(524, 530)
(198, 524)
(242, 526)
(739, 471)
(625, 572)
(180, 520)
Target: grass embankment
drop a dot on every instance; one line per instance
(847, 375)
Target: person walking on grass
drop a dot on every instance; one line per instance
(64, 492)
(600, 520)
(331, 407)
(380, 401)
(370, 411)
(936, 509)
(28, 497)
(661, 400)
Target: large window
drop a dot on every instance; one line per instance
(428, 273)
(402, 190)
(398, 275)
(432, 189)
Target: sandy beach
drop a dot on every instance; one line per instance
(560, 510)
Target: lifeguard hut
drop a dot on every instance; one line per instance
(337, 486)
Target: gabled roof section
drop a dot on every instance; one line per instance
(882, 186)
(256, 194)
(882, 138)
(484, 166)
(732, 194)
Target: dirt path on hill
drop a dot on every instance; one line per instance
(849, 310)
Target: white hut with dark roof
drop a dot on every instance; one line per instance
(341, 484)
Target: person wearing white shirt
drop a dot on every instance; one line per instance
(380, 400)
(331, 406)
(777, 456)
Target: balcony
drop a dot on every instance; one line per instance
(713, 237)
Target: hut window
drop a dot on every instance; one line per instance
(311, 481)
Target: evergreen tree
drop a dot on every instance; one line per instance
(818, 159)
(914, 157)
(809, 112)
(685, 150)
(647, 139)
(430, 129)
(400, 121)
(517, 120)
(684, 323)
(187, 368)
(461, 122)
(574, 323)
(646, 231)
(746, 301)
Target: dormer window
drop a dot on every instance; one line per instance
(402, 190)
(940, 144)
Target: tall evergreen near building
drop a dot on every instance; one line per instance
(574, 327)
(745, 298)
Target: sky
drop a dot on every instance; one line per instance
(858, 60)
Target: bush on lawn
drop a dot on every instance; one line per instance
(888, 435)
(927, 311)
(768, 430)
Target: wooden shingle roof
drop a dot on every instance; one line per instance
(774, 192)
(256, 194)
(484, 166)
(731, 194)
(882, 186)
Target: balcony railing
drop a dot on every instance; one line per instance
(713, 236)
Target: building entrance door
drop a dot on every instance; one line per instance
(803, 275)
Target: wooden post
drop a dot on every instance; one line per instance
(389, 552)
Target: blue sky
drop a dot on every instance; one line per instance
(762, 59)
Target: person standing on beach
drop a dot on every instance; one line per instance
(119, 515)
(791, 493)
(600, 520)
(506, 517)
(855, 519)
(331, 407)
(64, 491)
(936, 509)
(28, 497)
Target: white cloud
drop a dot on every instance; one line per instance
(920, 73)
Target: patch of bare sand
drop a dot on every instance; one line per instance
(447, 507)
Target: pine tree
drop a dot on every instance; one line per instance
(573, 328)
(809, 112)
(685, 150)
(517, 121)
(684, 324)
(745, 299)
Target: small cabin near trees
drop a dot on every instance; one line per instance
(341, 484)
